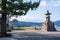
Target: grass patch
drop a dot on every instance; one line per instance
(26, 28)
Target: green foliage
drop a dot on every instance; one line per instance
(18, 7)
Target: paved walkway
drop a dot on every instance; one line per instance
(33, 35)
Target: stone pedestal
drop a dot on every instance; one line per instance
(48, 25)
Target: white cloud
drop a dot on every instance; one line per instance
(55, 3)
(43, 3)
(29, 18)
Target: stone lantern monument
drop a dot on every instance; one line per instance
(48, 25)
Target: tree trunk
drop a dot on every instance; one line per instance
(3, 25)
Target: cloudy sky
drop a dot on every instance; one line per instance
(38, 15)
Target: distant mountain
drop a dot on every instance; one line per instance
(57, 23)
(30, 24)
(24, 24)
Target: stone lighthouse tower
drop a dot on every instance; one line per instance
(48, 25)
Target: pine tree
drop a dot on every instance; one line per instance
(14, 7)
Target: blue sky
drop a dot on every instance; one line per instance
(38, 15)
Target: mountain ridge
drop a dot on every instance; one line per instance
(28, 24)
